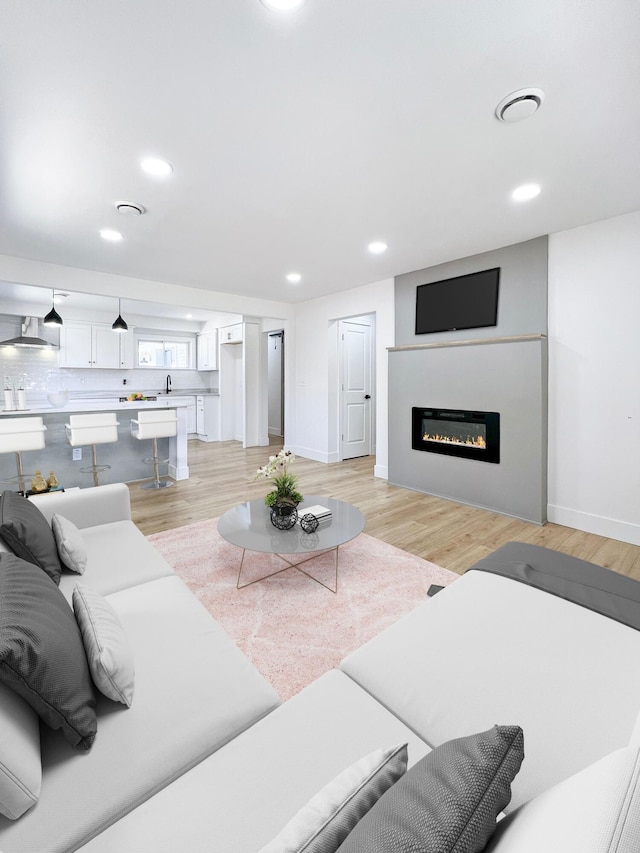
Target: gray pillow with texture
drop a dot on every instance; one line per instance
(326, 820)
(26, 531)
(448, 802)
(42, 657)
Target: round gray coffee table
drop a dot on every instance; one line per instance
(248, 526)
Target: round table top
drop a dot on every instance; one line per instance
(248, 525)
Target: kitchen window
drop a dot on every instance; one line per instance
(164, 352)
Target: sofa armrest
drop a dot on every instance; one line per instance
(87, 507)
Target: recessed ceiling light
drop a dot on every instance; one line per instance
(526, 192)
(282, 5)
(294, 278)
(111, 235)
(156, 167)
(377, 247)
(189, 316)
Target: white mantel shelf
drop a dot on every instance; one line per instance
(475, 342)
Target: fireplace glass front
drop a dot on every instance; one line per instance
(468, 434)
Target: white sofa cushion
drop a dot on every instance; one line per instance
(487, 648)
(238, 799)
(195, 690)
(595, 811)
(118, 557)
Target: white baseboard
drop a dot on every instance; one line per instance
(310, 453)
(381, 471)
(600, 525)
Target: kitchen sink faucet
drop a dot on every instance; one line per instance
(168, 388)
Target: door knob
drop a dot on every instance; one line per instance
(367, 396)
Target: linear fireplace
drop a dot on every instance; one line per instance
(456, 432)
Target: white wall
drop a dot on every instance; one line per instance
(312, 427)
(594, 378)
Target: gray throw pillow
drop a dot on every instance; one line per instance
(41, 653)
(26, 531)
(447, 802)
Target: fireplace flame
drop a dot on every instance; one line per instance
(468, 441)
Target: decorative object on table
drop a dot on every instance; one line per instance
(38, 483)
(309, 523)
(284, 514)
(285, 490)
(22, 400)
(52, 481)
(322, 513)
(132, 398)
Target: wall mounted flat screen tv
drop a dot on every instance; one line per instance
(464, 302)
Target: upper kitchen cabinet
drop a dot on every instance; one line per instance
(94, 345)
(231, 334)
(207, 350)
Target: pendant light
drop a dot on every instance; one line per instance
(119, 324)
(53, 318)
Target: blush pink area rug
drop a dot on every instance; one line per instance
(292, 628)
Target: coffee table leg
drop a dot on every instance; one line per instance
(262, 577)
(291, 565)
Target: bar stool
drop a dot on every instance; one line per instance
(17, 435)
(85, 430)
(155, 424)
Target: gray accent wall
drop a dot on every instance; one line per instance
(522, 298)
(503, 369)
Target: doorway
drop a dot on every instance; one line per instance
(275, 383)
(356, 338)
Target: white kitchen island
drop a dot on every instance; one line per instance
(125, 456)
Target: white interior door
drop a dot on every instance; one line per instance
(356, 393)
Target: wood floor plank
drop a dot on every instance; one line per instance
(450, 534)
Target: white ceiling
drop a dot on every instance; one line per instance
(298, 139)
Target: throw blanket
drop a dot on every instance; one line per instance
(607, 592)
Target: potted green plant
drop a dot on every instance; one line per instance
(284, 497)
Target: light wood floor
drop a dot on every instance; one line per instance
(449, 534)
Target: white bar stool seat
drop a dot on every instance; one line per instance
(91, 430)
(154, 424)
(18, 435)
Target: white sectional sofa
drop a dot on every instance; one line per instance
(207, 760)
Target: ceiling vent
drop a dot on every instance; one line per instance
(29, 336)
(130, 208)
(519, 105)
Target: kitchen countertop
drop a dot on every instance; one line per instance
(102, 405)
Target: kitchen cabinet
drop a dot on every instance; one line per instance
(94, 345)
(231, 334)
(190, 402)
(207, 350)
(208, 417)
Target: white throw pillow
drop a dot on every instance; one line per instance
(20, 764)
(70, 544)
(595, 811)
(322, 825)
(105, 642)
